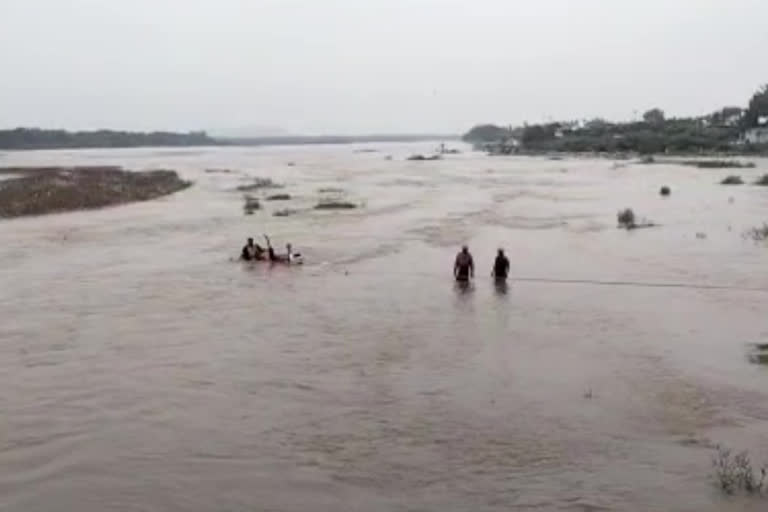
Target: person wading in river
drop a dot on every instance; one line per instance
(464, 268)
(252, 251)
(500, 267)
(278, 258)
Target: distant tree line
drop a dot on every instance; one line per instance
(655, 133)
(33, 138)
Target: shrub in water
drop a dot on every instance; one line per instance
(626, 218)
(736, 473)
(251, 204)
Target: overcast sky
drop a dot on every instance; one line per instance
(371, 66)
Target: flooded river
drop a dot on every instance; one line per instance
(142, 369)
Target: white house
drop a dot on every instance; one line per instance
(757, 135)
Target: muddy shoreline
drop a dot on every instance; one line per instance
(43, 190)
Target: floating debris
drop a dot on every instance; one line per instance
(665, 191)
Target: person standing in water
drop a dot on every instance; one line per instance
(464, 267)
(251, 251)
(500, 266)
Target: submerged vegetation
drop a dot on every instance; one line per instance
(736, 473)
(251, 204)
(41, 190)
(285, 212)
(758, 234)
(732, 180)
(627, 219)
(332, 204)
(258, 184)
(422, 158)
(758, 353)
(279, 197)
(719, 164)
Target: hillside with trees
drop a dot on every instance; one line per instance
(33, 138)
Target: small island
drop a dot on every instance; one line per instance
(42, 190)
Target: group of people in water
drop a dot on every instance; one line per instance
(254, 252)
(464, 266)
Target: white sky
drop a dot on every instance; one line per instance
(371, 66)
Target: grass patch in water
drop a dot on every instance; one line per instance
(758, 234)
(732, 180)
(42, 190)
(258, 184)
(422, 158)
(279, 197)
(719, 164)
(251, 204)
(758, 353)
(762, 180)
(335, 205)
(285, 212)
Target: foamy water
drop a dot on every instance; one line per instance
(141, 369)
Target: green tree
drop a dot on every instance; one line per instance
(758, 107)
(655, 116)
(486, 133)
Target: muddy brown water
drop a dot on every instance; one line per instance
(141, 369)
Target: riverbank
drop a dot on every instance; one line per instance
(42, 190)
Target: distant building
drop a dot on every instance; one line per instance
(757, 136)
(733, 119)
